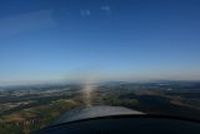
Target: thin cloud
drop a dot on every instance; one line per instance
(106, 9)
(85, 12)
(21, 23)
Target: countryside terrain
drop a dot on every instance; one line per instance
(26, 109)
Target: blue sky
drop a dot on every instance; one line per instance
(48, 40)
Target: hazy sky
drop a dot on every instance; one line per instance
(50, 40)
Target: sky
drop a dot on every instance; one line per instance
(53, 40)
